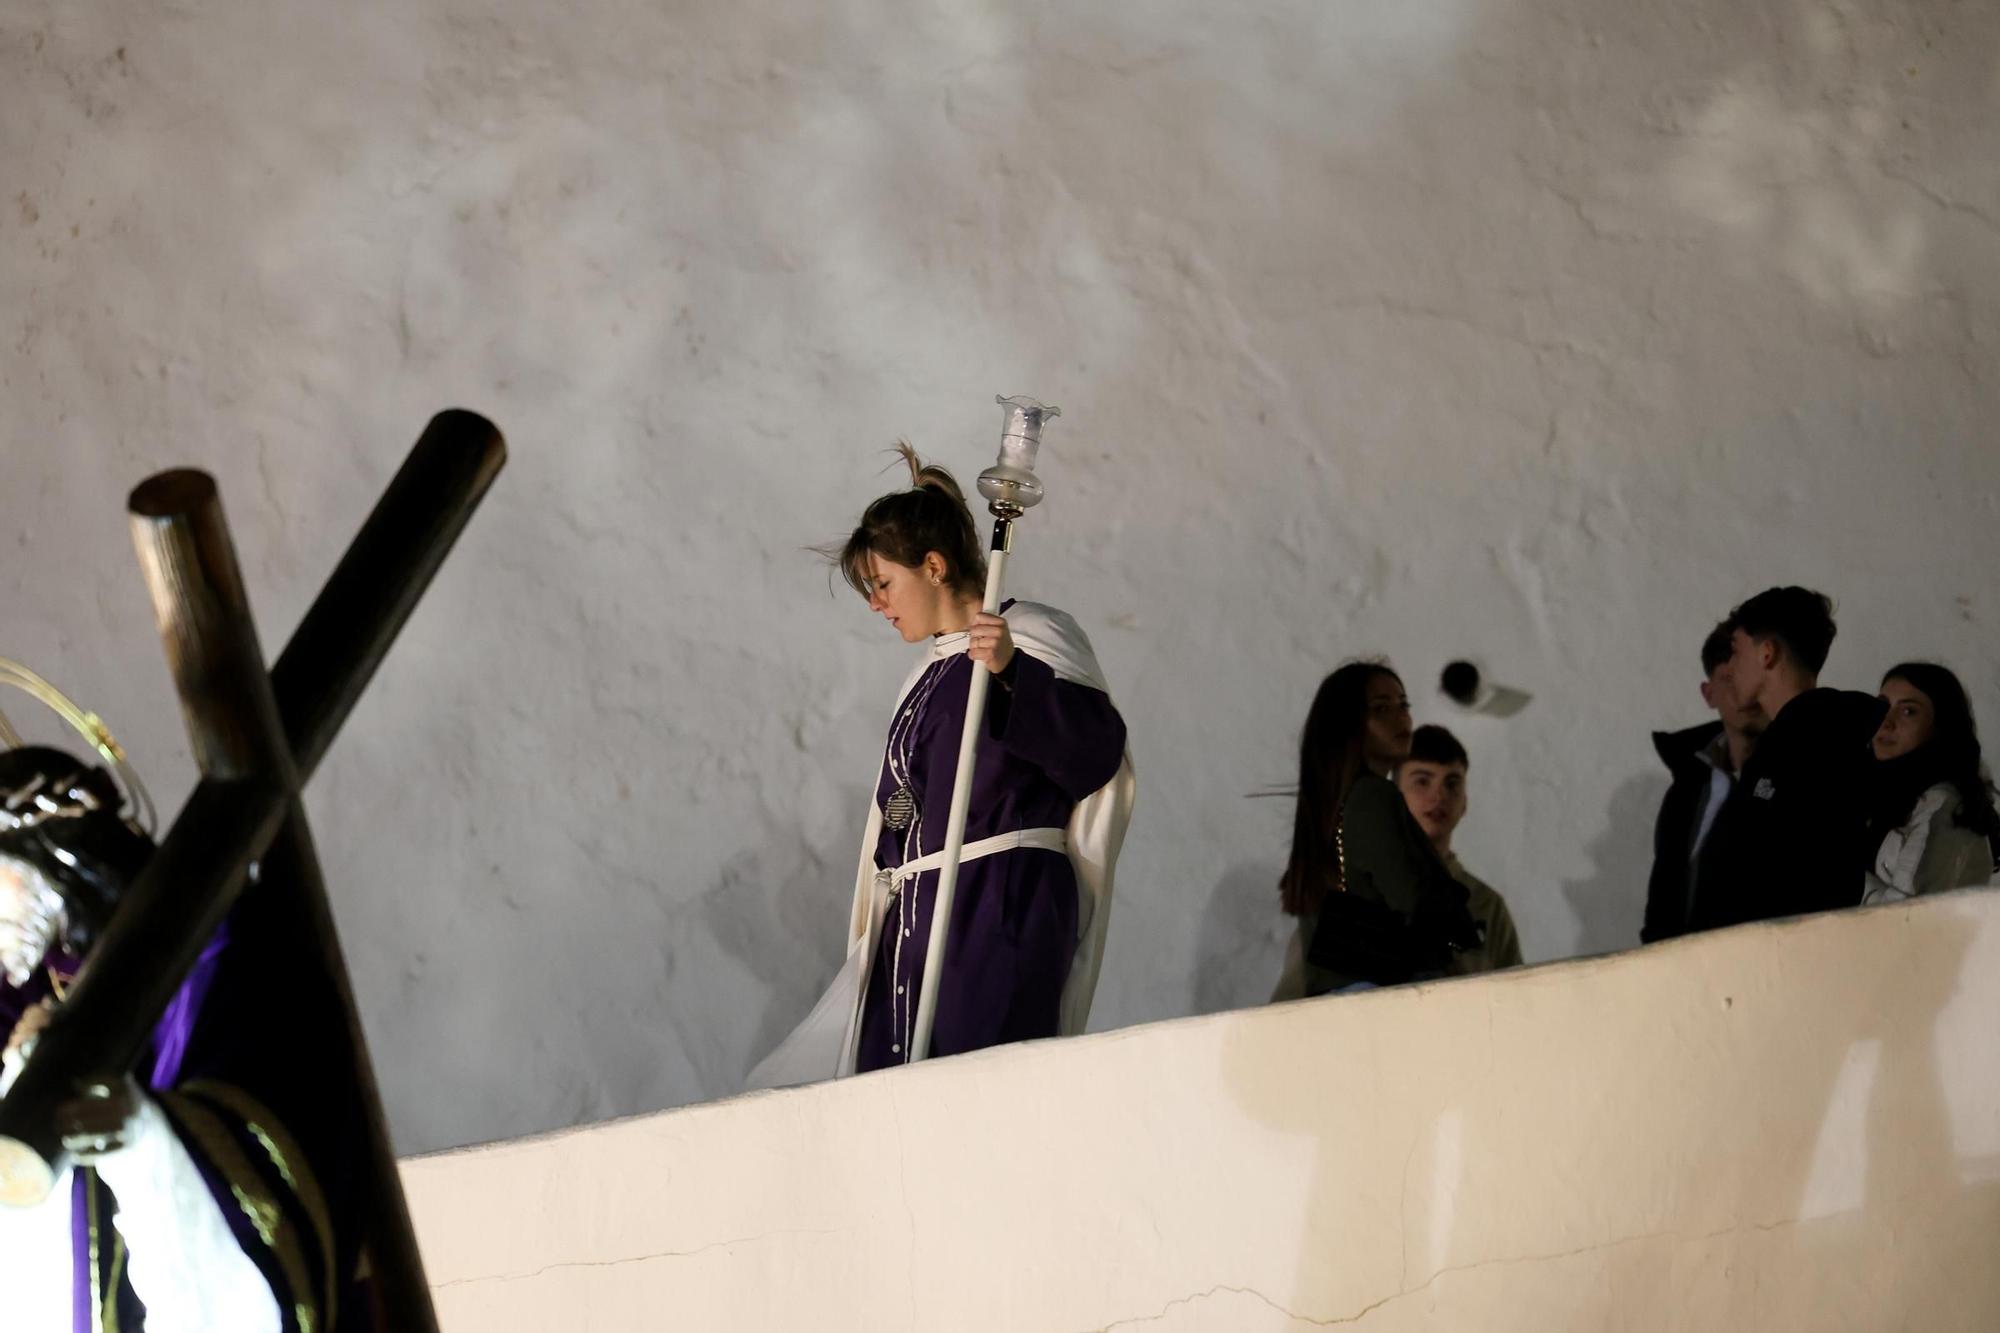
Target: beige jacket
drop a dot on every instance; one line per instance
(1930, 853)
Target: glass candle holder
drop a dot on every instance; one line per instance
(1010, 485)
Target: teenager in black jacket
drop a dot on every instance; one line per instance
(1792, 837)
(1704, 762)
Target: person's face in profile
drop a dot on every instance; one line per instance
(1741, 679)
(1385, 737)
(914, 599)
(1736, 715)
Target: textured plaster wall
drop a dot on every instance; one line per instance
(1780, 1127)
(1534, 330)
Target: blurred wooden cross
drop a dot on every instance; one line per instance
(257, 737)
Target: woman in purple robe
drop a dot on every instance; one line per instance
(1020, 932)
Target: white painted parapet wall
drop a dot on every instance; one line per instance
(1789, 1127)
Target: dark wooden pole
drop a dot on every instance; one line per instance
(344, 637)
(233, 720)
(204, 618)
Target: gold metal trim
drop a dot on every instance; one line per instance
(264, 1211)
(290, 1160)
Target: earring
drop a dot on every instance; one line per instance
(937, 580)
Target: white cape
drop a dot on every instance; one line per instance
(825, 1044)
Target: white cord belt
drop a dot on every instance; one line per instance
(1041, 839)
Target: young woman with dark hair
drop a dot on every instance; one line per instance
(1403, 915)
(1932, 823)
(1051, 794)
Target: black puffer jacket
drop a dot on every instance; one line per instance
(1792, 838)
(1674, 830)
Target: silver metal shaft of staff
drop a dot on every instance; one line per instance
(1011, 489)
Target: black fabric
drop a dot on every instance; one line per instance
(1674, 830)
(1402, 913)
(274, 1026)
(1361, 938)
(1792, 838)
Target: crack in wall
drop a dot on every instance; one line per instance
(654, 1257)
(1219, 1289)
(1442, 1273)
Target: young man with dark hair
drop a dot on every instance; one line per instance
(1432, 781)
(1792, 837)
(1704, 762)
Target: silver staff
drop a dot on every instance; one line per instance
(1011, 489)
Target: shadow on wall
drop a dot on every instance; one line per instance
(1886, 1145)
(1241, 944)
(780, 911)
(1610, 902)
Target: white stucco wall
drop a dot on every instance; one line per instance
(1533, 330)
(1779, 1127)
